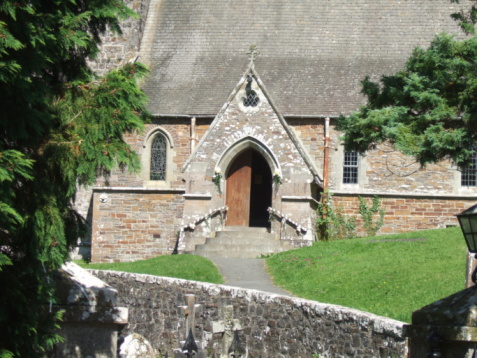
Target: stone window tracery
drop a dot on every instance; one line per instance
(158, 158)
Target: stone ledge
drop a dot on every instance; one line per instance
(137, 189)
(401, 195)
(298, 198)
(198, 196)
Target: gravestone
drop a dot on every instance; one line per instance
(190, 310)
(136, 346)
(227, 326)
(189, 313)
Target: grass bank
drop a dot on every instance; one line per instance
(388, 275)
(188, 267)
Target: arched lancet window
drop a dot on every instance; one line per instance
(158, 158)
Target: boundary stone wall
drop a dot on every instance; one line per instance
(269, 325)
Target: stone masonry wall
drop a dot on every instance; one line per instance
(129, 226)
(236, 128)
(311, 132)
(269, 325)
(385, 169)
(234, 125)
(138, 220)
(178, 132)
(116, 50)
(408, 213)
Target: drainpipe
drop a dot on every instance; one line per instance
(192, 134)
(324, 198)
(326, 155)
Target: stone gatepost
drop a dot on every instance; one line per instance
(446, 328)
(92, 317)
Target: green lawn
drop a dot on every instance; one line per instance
(388, 275)
(188, 267)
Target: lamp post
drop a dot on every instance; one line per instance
(468, 224)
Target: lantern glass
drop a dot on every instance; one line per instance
(468, 224)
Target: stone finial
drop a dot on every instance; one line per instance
(252, 53)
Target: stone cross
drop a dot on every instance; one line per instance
(227, 326)
(189, 313)
(253, 53)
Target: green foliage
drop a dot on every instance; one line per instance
(324, 222)
(345, 226)
(371, 223)
(217, 180)
(466, 18)
(277, 181)
(188, 267)
(59, 127)
(427, 110)
(333, 223)
(389, 275)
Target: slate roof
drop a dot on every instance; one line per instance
(313, 53)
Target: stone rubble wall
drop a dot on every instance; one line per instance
(270, 325)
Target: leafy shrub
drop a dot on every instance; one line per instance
(371, 224)
(333, 223)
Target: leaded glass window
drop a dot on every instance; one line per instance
(350, 168)
(469, 174)
(251, 99)
(158, 158)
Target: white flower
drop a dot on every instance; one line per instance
(217, 170)
(277, 172)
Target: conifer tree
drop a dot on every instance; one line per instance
(60, 127)
(428, 109)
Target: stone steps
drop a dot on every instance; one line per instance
(241, 243)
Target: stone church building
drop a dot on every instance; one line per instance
(243, 95)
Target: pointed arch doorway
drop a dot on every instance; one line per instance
(249, 190)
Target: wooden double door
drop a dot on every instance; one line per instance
(249, 190)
